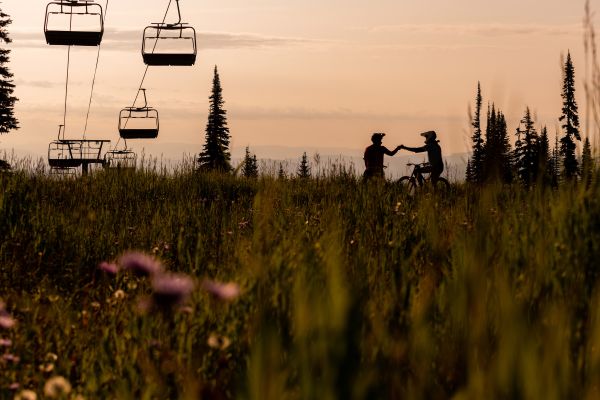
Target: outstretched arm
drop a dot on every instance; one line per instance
(391, 153)
(422, 149)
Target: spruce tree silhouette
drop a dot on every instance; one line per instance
(543, 158)
(526, 152)
(281, 174)
(587, 161)
(476, 165)
(496, 150)
(8, 121)
(304, 167)
(250, 165)
(570, 119)
(215, 155)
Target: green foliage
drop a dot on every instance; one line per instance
(8, 122)
(215, 155)
(349, 290)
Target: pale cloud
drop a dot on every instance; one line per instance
(130, 39)
(489, 30)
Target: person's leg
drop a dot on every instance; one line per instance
(422, 170)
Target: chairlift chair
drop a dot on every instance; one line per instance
(74, 23)
(73, 153)
(169, 44)
(120, 159)
(139, 122)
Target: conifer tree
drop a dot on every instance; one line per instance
(304, 167)
(250, 165)
(281, 173)
(587, 162)
(526, 157)
(477, 159)
(469, 178)
(215, 155)
(570, 119)
(8, 121)
(497, 157)
(554, 163)
(544, 157)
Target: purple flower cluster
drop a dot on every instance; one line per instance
(168, 290)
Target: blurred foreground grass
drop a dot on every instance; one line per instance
(349, 291)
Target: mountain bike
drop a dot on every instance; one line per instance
(419, 180)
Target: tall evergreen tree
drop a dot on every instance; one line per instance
(281, 174)
(250, 165)
(570, 119)
(554, 163)
(587, 161)
(526, 158)
(8, 121)
(215, 155)
(544, 157)
(477, 159)
(497, 162)
(304, 167)
(469, 178)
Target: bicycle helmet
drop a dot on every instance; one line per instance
(429, 135)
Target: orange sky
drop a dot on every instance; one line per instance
(315, 74)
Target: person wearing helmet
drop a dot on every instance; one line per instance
(434, 153)
(374, 156)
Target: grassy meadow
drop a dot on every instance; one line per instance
(347, 290)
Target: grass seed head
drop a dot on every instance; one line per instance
(56, 387)
(26, 395)
(222, 291)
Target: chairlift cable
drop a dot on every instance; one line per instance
(87, 117)
(146, 70)
(66, 92)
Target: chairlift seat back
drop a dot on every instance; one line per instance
(169, 45)
(139, 123)
(120, 159)
(74, 23)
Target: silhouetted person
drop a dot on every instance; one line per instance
(434, 153)
(374, 156)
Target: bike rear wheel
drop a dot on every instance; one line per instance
(442, 185)
(409, 184)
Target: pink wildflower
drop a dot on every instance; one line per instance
(5, 343)
(171, 289)
(109, 268)
(141, 264)
(6, 321)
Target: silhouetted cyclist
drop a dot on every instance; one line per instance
(374, 156)
(434, 153)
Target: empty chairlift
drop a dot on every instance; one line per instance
(120, 159)
(74, 23)
(73, 153)
(139, 122)
(169, 44)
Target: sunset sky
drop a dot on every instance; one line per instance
(305, 73)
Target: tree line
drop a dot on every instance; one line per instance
(532, 160)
